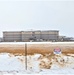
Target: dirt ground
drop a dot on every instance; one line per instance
(36, 48)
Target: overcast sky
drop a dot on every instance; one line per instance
(37, 15)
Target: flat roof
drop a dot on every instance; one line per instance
(34, 30)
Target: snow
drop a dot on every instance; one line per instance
(37, 43)
(10, 63)
(61, 64)
(37, 64)
(15, 65)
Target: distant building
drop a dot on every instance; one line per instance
(1, 39)
(26, 36)
(64, 38)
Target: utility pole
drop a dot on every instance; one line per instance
(26, 56)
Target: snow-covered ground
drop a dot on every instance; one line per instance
(55, 64)
(11, 64)
(36, 42)
(37, 64)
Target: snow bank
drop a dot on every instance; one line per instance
(37, 64)
(58, 64)
(10, 63)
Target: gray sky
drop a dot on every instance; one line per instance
(37, 15)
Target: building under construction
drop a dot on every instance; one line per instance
(26, 36)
